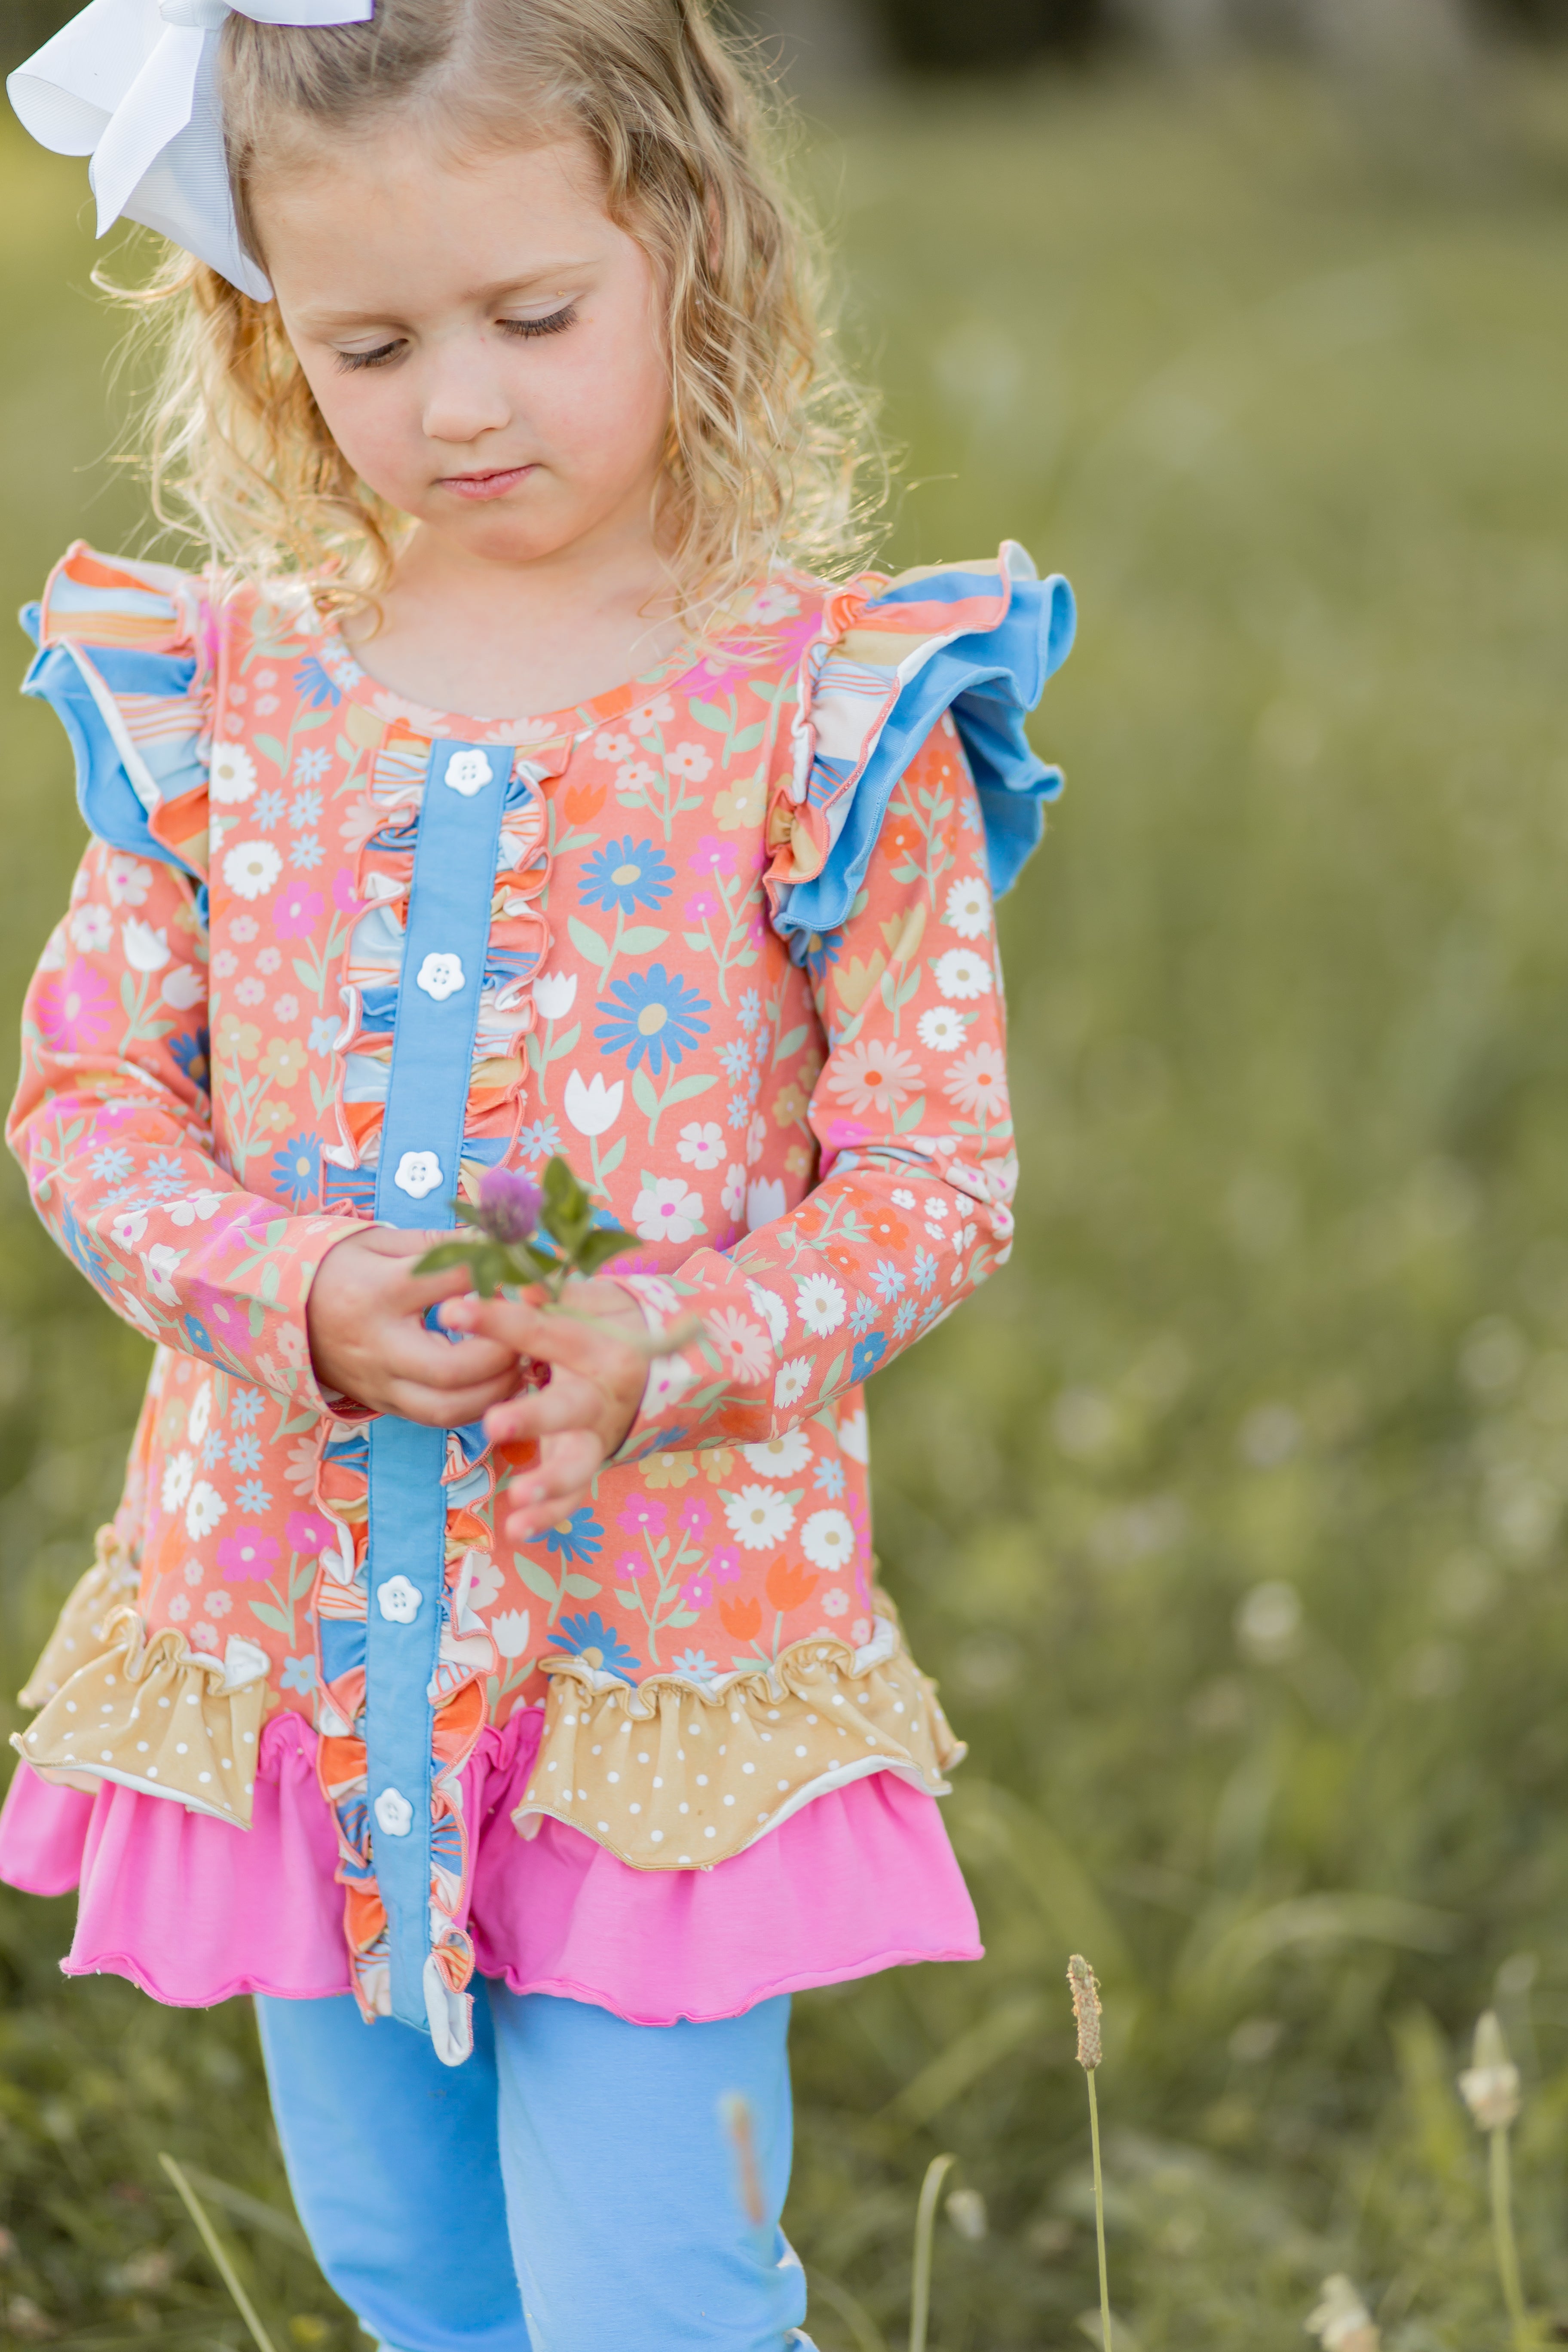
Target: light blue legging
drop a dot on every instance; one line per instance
(575, 2154)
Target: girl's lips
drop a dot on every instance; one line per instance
(485, 486)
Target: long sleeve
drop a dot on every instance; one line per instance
(112, 1125)
(909, 1116)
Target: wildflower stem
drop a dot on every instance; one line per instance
(937, 2171)
(215, 2246)
(1502, 2173)
(1099, 2216)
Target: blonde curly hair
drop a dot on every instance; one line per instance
(768, 437)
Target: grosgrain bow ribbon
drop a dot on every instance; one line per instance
(132, 83)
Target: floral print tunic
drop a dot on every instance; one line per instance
(739, 967)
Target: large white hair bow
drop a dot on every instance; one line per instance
(133, 84)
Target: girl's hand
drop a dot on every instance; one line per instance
(582, 1417)
(368, 1338)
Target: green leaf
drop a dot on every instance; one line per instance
(683, 1617)
(835, 1371)
(581, 1587)
(447, 1254)
(610, 1161)
(643, 1094)
(628, 1599)
(708, 715)
(305, 973)
(273, 1617)
(271, 749)
(682, 1089)
(791, 1041)
(587, 941)
(536, 1579)
(747, 739)
(641, 938)
(599, 1247)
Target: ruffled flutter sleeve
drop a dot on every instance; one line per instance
(112, 1120)
(915, 798)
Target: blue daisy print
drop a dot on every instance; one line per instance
(868, 1355)
(297, 1169)
(579, 1537)
(626, 875)
(298, 1674)
(193, 1055)
(591, 1633)
(657, 1016)
(314, 684)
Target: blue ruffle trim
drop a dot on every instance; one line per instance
(990, 681)
(110, 804)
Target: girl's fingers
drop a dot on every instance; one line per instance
(412, 1353)
(569, 1402)
(441, 1409)
(583, 1344)
(561, 1481)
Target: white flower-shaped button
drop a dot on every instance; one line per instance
(468, 772)
(441, 976)
(394, 1813)
(419, 1172)
(398, 1600)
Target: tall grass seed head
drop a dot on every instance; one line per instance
(1086, 2011)
(1340, 2321)
(1489, 2083)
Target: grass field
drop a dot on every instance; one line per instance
(1252, 1471)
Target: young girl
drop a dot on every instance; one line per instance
(488, 1684)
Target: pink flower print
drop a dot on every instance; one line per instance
(694, 1517)
(77, 1010)
(631, 1565)
(268, 960)
(744, 1349)
(249, 991)
(204, 1637)
(643, 1516)
(702, 907)
(248, 1555)
(873, 1076)
(242, 930)
(309, 1532)
(295, 911)
(697, 1592)
(724, 1566)
(716, 855)
(345, 897)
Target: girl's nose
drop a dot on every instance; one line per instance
(464, 396)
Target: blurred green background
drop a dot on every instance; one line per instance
(1245, 1485)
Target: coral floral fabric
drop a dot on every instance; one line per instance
(815, 1154)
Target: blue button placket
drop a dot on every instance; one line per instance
(446, 947)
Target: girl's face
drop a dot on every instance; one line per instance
(483, 342)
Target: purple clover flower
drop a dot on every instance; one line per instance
(508, 1206)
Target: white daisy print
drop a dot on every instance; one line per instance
(251, 868)
(233, 774)
(961, 973)
(733, 1198)
(204, 1510)
(701, 1144)
(128, 881)
(667, 1210)
(834, 1603)
(178, 1475)
(969, 907)
(942, 1029)
(791, 1381)
(771, 1309)
(759, 1516)
(853, 1439)
(828, 1540)
(780, 1457)
(903, 1200)
(91, 930)
(819, 1303)
(979, 1081)
(201, 1412)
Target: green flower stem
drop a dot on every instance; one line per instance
(925, 2228)
(1099, 2216)
(215, 2246)
(1501, 2180)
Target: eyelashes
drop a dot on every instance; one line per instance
(349, 362)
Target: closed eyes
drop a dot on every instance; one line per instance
(384, 353)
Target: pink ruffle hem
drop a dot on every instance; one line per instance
(196, 1912)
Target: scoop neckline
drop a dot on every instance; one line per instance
(544, 727)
